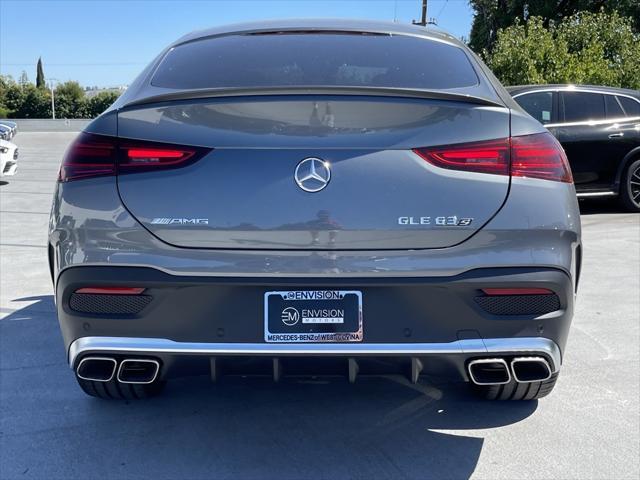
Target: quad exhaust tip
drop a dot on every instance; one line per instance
(132, 370)
(530, 369)
(139, 371)
(489, 371)
(496, 371)
(97, 369)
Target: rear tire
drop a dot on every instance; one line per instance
(114, 390)
(516, 391)
(630, 187)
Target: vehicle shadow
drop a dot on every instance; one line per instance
(381, 427)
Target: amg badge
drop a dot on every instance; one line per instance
(180, 221)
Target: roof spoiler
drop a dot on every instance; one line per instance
(312, 90)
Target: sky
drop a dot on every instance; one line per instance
(107, 43)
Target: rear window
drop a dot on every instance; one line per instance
(614, 110)
(631, 106)
(319, 59)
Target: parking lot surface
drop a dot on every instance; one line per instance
(252, 428)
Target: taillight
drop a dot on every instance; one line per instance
(97, 155)
(89, 156)
(539, 156)
(533, 156)
(135, 157)
(482, 157)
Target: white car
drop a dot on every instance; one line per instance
(11, 126)
(8, 158)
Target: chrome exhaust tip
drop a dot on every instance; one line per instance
(96, 369)
(530, 369)
(489, 371)
(140, 371)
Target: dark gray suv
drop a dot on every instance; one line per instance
(308, 197)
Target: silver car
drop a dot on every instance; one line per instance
(309, 197)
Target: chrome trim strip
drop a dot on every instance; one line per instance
(596, 194)
(103, 359)
(493, 346)
(530, 359)
(570, 88)
(594, 123)
(501, 361)
(139, 360)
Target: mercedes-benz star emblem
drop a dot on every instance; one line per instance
(312, 174)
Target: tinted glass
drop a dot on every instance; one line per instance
(539, 105)
(582, 106)
(614, 110)
(321, 59)
(631, 107)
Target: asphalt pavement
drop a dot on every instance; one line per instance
(240, 428)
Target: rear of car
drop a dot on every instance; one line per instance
(303, 197)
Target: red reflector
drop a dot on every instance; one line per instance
(482, 157)
(539, 156)
(111, 290)
(517, 291)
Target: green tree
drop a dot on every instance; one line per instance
(99, 103)
(70, 100)
(40, 81)
(583, 48)
(492, 15)
(5, 82)
(11, 96)
(35, 103)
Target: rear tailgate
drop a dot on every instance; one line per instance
(381, 195)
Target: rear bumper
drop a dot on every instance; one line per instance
(464, 349)
(189, 320)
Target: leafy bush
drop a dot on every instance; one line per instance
(585, 48)
(35, 103)
(99, 103)
(70, 101)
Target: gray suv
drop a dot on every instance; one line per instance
(309, 197)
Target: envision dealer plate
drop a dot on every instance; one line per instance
(313, 316)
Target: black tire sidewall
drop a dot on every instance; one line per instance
(625, 188)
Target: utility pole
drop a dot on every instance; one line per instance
(53, 102)
(423, 20)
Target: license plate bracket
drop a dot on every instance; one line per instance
(313, 316)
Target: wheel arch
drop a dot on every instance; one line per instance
(632, 155)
